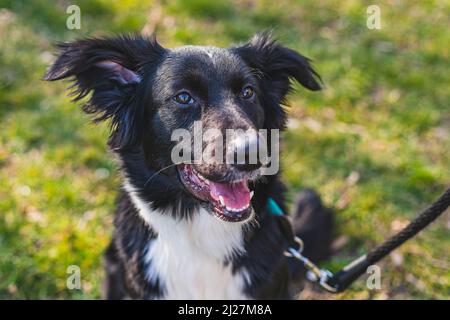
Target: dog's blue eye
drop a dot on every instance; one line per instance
(184, 98)
(247, 93)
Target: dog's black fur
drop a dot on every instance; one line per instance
(132, 80)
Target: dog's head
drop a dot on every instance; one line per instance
(148, 92)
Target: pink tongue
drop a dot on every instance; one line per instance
(235, 195)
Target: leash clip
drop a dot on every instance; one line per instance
(314, 273)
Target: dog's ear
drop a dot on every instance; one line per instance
(275, 66)
(112, 69)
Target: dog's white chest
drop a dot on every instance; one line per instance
(187, 258)
(188, 273)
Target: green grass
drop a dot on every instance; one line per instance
(383, 117)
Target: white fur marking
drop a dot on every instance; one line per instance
(188, 255)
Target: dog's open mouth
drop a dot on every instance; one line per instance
(228, 201)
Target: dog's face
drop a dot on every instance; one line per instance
(150, 92)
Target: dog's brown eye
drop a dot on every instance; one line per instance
(184, 98)
(247, 93)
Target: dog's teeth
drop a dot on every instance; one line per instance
(251, 194)
(237, 209)
(222, 202)
(202, 178)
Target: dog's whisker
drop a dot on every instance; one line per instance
(158, 172)
(251, 225)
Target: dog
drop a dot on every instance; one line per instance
(200, 230)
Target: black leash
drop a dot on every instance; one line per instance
(344, 278)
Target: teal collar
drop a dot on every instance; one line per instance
(274, 208)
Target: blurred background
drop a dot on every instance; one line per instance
(375, 142)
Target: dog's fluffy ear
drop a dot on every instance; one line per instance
(110, 68)
(276, 65)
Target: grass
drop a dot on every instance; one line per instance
(375, 142)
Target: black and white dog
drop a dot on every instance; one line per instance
(191, 231)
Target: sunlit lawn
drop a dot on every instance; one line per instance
(375, 142)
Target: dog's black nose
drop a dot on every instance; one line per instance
(245, 153)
